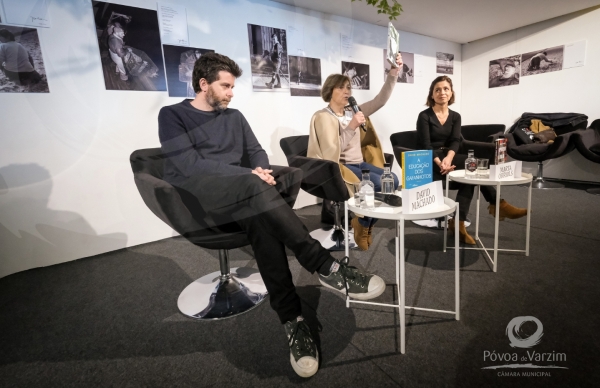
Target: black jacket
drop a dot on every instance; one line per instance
(561, 122)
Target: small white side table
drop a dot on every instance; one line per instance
(459, 176)
(383, 211)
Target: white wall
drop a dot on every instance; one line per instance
(66, 187)
(568, 90)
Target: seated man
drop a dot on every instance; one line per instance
(214, 156)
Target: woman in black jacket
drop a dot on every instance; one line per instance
(438, 129)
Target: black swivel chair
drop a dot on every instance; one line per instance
(563, 124)
(481, 132)
(540, 152)
(407, 141)
(587, 142)
(221, 294)
(323, 179)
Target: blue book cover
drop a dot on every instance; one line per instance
(417, 168)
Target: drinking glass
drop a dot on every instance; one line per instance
(482, 169)
(357, 198)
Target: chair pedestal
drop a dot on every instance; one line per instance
(332, 238)
(223, 294)
(540, 183)
(595, 191)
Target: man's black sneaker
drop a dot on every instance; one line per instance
(269, 85)
(304, 355)
(353, 282)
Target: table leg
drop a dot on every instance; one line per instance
(477, 212)
(445, 231)
(528, 220)
(496, 224)
(446, 217)
(347, 242)
(346, 231)
(456, 271)
(401, 286)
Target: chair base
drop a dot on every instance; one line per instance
(594, 190)
(435, 223)
(543, 184)
(332, 239)
(540, 183)
(216, 296)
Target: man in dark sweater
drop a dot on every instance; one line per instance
(214, 156)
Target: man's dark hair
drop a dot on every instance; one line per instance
(6, 34)
(208, 67)
(545, 53)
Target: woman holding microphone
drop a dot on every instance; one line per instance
(336, 135)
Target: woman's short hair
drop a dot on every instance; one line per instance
(6, 34)
(332, 82)
(430, 101)
(208, 67)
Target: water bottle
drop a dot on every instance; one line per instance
(367, 190)
(471, 166)
(387, 180)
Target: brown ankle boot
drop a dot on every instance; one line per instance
(463, 235)
(361, 234)
(507, 211)
(370, 237)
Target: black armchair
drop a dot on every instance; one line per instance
(323, 179)
(539, 152)
(407, 141)
(221, 294)
(481, 132)
(587, 142)
(563, 124)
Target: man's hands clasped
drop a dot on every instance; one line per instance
(265, 175)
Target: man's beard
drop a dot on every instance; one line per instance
(213, 100)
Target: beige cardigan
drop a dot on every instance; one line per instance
(324, 135)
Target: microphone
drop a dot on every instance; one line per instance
(356, 109)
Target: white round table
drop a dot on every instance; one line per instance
(459, 176)
(384, 211)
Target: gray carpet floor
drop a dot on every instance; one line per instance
(112, 320)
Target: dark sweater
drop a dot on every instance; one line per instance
(208, 143)
(431, 135)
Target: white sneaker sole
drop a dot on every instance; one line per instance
(376, 284)
(305, 372)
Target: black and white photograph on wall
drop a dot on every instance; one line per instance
(268, 58)
(505, 71)
(407, 73)
(130, 48)
(22, 67)
(358, 74)
(542, 61)
(305, 76)
(444, 63)
(179, 65)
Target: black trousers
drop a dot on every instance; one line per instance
(264, 213)
(465, 192)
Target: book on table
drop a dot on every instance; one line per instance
(501, 156)
(417, 169)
